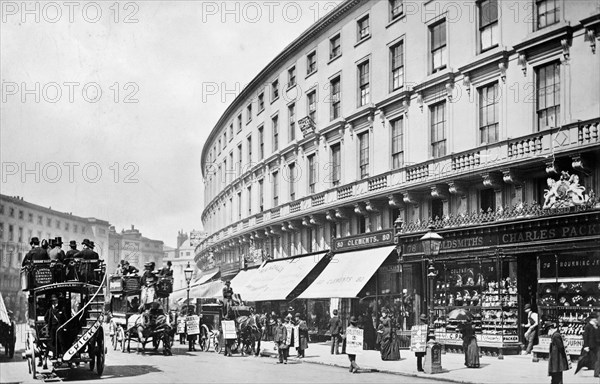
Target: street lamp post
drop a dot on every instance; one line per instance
(431, 248)
(188, 271)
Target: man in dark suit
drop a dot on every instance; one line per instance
(591, 344)
(36, 253)
(58, 257)
(55, 317)
(227, 299)
(87, 253)
(335, 326)
(127, 269)
(70, 260)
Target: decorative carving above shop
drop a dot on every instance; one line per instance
(564, 192)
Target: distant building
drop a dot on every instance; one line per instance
(182, 255)
(20, 221)
(130, 245)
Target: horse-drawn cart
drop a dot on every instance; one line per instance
(64, 318)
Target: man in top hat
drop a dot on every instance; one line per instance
(87, 253)
(55, 317)
(70, 260)
(58, 256)
(148, 282)
(302, 337)
(36, 253)
(227, 297)
(166, 271)
(127, 269)
(531, 327)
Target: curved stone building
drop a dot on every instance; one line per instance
(479, 117)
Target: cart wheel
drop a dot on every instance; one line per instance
(100, 353)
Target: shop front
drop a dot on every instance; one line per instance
(363, 277)
(488, 272)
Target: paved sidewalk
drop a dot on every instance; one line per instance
(513, 369)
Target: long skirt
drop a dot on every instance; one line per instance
(472, 353)
(390, 348)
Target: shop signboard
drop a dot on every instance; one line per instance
(573, 344)
(229, 332)
(365, 240)
(572, 265)
(418, 338)
(354, 340)
(193, 325)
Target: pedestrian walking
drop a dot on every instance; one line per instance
(389, 347)
(279, 337)
(302, 343)
(558, 361)
(589, 351)
(335, 327)
(352, 357)
(470, 347)
(290, 340)
(531, 335)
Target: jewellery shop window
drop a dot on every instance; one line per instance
(568, 292)
(484, 292)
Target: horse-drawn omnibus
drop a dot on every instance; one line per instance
(64, 317)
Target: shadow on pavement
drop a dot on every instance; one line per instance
(113, 371)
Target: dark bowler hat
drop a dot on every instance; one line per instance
(353, 320)
(52, 242)
(527, 306)
(228, 282)
(34, 241)
(88, 243)
(72, 243)
(54, 298)
(297, 315)
(423, 317)
(58, 240)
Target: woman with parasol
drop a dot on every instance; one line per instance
(465, 327)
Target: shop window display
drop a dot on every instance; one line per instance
(568, 291)
(483, 292)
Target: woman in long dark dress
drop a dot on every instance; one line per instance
(387, 345)
(470, 346)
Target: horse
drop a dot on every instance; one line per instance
(144, 326)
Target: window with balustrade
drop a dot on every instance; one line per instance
(397, 143)
(548, 95)
(312, 174)
(335, 96)
(336, 164)
(397, 64)
(292, 181)
(438, 130)
(489, 114)
(275, 179)
(363, 143)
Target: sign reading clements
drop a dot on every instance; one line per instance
(365, 240)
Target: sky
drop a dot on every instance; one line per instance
(106, 105)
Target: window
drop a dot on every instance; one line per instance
(275, 176)
(249, 144)
(48, 222)
(311, 62)
(396, 9)
(335, 48)
(363, 142)
(239, 199)
(548, 95)
(239, 123)
(397, 61)
(292, 186)
(437, 209)
(224, 138)
(230, 131)
(438, 130)
(488, 113)
(248, 113)
(397, 143)
(275, 125)
(232, 164)
(335, 98)
(292, 121)
(30, 217)
(249, 200)
(363, 84)
(261, 143)
(292, 77)
(1, 209)
(240, 156)
(21, 215)
(312, 174)
(361, 222)
(274, 90)
(488, 24)
(11, 232)
(261, 102)
(336, 164)
(312, 105)
(547, 12)
(487, 200)
(261, 194)
(438, 46)
(40, 220)
(363, 28)
(219, 146)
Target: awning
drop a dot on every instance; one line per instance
(347, 273)
(3, 311)
(214, 289)
(281, 277)
(206, 276)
